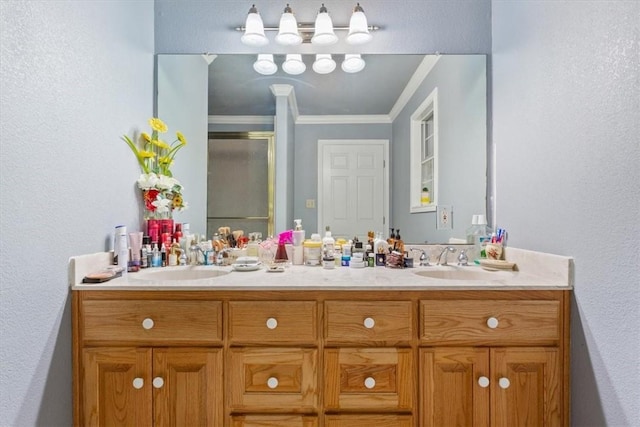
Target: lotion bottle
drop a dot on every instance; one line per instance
(298, 239)
(328, 243)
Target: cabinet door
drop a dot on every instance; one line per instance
(116, 384)
(454, 387)
(379, 379)
(187, 387)
(526, 387)
(369, 420)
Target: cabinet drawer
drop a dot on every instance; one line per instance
(152, 322)
(490, 322)
(369, 379)
(273, 379)
(368, 322)
(368, 420)
(274, 421)
(272, 322)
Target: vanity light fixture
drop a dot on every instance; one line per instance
(324, 63)
(291, 32)
(265, 64)
(288, 34)
(353, 63)
(358, 27)
(293, 64)
(324, 34)
(254, 29)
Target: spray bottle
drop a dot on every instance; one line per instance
(286, 237)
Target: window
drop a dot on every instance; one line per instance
(424, 156)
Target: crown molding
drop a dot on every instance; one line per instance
(344, 119)
(414, 83)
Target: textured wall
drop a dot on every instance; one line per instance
(566, 123)
(75, 77)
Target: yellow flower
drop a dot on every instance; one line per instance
(146, 154)
(157, 124)
(165, 160)
(146, 136)
(177, 201)
(161, 144)
(181, 138)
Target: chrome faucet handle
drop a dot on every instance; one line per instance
(444, 252)
(424, 260)
(462, 258)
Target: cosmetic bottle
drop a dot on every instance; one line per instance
(328, 243)
(123, 249)
(298, 239)
(145, 252)
(156, 259)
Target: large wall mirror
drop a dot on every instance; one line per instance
(202, 94)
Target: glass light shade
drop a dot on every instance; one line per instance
(323, 34)
(358, 27)
(254, 30)
(288, 29)
(353, 63)
(293, 64)
(324, 64)
(265, 65)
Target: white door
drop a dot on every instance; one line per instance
(352, 187)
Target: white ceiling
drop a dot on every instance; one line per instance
(236, 89)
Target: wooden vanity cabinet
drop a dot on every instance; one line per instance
(147, 359)
(321, 358)
(498, 362)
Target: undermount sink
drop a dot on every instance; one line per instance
(177, 274)
(463, 273)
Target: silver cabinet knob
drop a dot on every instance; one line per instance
(369, 323)
(272, 323)
(504, 382)
(272, 382)
(483, 382)
(492, 322)
(138, 383)
(158, 382)
(369, 383)
(147, 323)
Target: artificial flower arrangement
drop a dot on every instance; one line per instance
(162, 192)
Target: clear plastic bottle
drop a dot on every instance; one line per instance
(478, 234)
(328, 243)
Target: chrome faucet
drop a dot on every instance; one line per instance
(463, 259)
(444, 252)
(424, 259)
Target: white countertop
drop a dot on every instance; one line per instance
(551, 272)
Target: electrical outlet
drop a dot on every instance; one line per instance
(444, 217)
(311, 203)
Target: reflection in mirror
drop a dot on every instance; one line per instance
(374, 104)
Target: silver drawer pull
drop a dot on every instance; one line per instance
(158, 382)
(272, 382)
(369, 323)
(483, 382)
(272, 323)
(147, 323)
(369, 383)
(138, 383)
